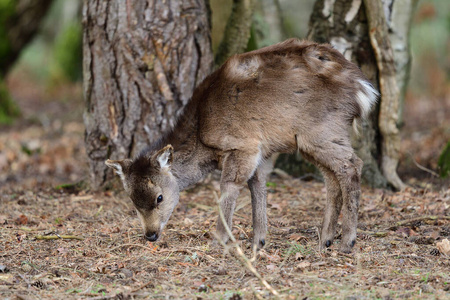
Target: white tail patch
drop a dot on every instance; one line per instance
(367, 96)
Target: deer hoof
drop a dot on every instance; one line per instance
(328, 243)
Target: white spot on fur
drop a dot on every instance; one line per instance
(367, 96)
(241, 68)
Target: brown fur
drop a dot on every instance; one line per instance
(294, 95)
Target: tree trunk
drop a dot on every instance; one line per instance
(20, 21)
(390, 94)
(142, 61)
(237, 31)
(344, 24)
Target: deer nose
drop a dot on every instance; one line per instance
(151, 236)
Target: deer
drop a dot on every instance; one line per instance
(296, 95)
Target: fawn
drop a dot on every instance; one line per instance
(292, 96)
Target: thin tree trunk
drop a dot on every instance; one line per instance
(390, 94)
(399, 14)
(142, 61)
(237, 31)
(20, 21)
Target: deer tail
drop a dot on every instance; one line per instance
(366, 97)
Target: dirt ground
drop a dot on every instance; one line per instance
(60, 240)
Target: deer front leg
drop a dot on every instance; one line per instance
(257, 186)
(229, 192)
(237, 168)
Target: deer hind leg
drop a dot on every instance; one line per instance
(341, 162)
(333, 205)
(237, 168)
(257, 186)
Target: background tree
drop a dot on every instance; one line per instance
(20, 21)
(141, 62)
(360, 30)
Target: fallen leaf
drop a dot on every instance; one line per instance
(297, 237)
(444, 246)
(406, 232)
(275, 206)
(303, 265)
(271, 267)
(3, 269)
(22, 220)
(188, 222)
(298, 256)
(3, 219)
(62, 250)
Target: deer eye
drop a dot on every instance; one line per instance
(159, 199)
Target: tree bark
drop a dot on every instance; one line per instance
(142, 61)
(399, 14)
(390, 94)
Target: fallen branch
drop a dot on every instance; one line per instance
(422, 167)
(423, 218)
(242, 258)
(133, 245)
(58, 237)
(373, 233)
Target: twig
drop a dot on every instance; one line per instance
(143, 286)
(242, 258)
(404, 222)
(132, 245)
(373, 233)
(310, 278)
(57, 237)
(422, 167)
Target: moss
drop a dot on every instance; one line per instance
(8, 109)
(444, 161)
(68, 53)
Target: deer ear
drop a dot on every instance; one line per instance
(119, 166)
(164, 157)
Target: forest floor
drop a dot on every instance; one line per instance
(60, 240)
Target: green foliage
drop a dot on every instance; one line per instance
(67, 58)
(444, 161)
(7, 10)
(297, 248)
(8, 109)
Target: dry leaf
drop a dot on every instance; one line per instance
(188, 222)
(303, 265)
(62, 250)
(22, 220)
(271, 267)
(444, 246)
(297, 237)
(298, 256)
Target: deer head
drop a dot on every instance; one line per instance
(149, 183)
